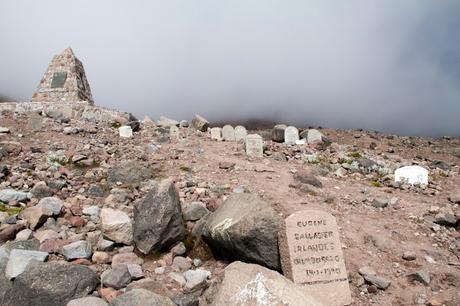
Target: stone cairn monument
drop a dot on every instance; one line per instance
(64, 81)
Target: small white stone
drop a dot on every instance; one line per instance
(125, 131)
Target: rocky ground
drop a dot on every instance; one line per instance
(90, 218)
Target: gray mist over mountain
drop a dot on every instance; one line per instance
(386, 65)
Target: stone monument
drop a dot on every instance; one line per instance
(254, 145)
(64, 81)
(312, 257)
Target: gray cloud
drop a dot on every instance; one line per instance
(389, 65)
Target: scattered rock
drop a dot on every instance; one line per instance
(129, 172)
(87, 301)
(421, 276)
(378, 281)
(141, 297)
(409, 255)
(194, 211)
(306, 177)
(77, 249)
(116, 225)
(9, 195)
(118, 277)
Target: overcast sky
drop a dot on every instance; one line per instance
(390, 65)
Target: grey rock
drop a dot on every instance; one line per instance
(141, 297)
(8, 195)
(130, 173)
(409, 255)
(184, 123)
(179, 249)
(93, 211)
(245, 228)
(194, 211)
(421, 276)
(199, 123)
(87, 301)
(77, 249)
(182, 263)
(306, 177)
(380, 202)
(365, 270)
(158, 220)
(195, 279)
(118, 277)
(445, 219)
(19, 259)
(52, 205)
(177, 277)
(378, 281)
(51, 284)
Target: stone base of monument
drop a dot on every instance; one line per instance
(312, 257)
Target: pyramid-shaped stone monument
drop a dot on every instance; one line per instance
(64, 81)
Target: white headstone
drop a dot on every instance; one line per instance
(228, 133)
(314, 135)
(412, 175)
(291, 135)
(125, 131)
(311, 256)
(254, 145)
(240, 133)
(174, 133)
(216, 133)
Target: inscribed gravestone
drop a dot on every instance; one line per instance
(291, 135)
(412, 175)
(35, 122)
(240, 133)
(216, 133)
(59, 78)
(228, 133)
(254, 145)
(311, 256)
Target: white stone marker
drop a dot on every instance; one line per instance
(240, 133)
(216, 133)
(254, 145)
(314, 135)
(125, 131)
(291, 135)
(228, 133)
(412, 175)
(174, 133)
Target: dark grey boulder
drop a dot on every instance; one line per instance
(51, 284)
(244, 228)
(158, 220)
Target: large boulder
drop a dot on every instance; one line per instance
(129, 172)
(245, 228)
(199, 123)
(51, 284)
(244, 284)
(141, 297)
(158, 220)
(116, 225)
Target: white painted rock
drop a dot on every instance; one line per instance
(412, 175)
(125, 131)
